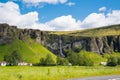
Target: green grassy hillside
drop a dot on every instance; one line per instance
(103, 31)
(30, 51)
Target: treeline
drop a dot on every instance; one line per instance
(72, 58)
(82, 58)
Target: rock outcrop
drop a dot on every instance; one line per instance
(9, 33)
(101, 45)
(60, 43)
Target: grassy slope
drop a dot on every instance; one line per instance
(54, 73)
(103, 31)
(30, 51)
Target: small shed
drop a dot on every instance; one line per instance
(24, 64)
(103, 63)
(3, 63)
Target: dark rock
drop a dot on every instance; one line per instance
(101, 45)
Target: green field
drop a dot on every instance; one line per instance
(95, 32)
(30, 50)
(54, 73)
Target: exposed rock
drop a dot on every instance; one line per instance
(7, 33)
(101, 45)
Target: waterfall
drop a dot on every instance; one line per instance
(61, 53)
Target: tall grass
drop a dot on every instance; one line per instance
(54, 73)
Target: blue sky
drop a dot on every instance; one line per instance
(52, 14)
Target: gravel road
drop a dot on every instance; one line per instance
(111, 77)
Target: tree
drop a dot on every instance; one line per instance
(13, 59)
(48, 61)
(118, 61)
(112, 61)
(73, 58)
(85, 60)
(81, 59)
(62, 61)
(42, 61)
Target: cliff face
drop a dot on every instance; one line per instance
(9, 33)
(59, 43)
(101, 45)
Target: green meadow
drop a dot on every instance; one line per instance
(95, 32)
(29, 50)
(55, 72)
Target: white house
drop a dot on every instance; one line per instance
(103, 63)
(24, 64)
(3, 63)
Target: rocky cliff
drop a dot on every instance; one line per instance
(101, 45)
(9, 33)
(59, 43)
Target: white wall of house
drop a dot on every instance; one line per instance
(3, 63)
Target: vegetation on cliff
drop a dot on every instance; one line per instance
(103, 31)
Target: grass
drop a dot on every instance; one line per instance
(54, 73)
(30, 51)
(96, 32)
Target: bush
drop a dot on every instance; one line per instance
(112, 61)
(62, 61)
(85, 60)
(48, 61)
(118, 61)
(42, 61)
(81, 59)
(73, 58)
(13, 59)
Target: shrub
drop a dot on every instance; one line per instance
(73, 58)
(13, 59)
(112, 61)
(48, 61)
(81, 59)
(62, 61)
(118, 61)
(85, 60)
(42, 61)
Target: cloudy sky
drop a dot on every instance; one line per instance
(60, 15)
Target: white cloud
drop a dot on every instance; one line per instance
(41, 26)
(102, 9)
(113, 17)
(45, 1)
(10, 13)
(64, 23)
(70, 4)
(93, 20)
(99, 19)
